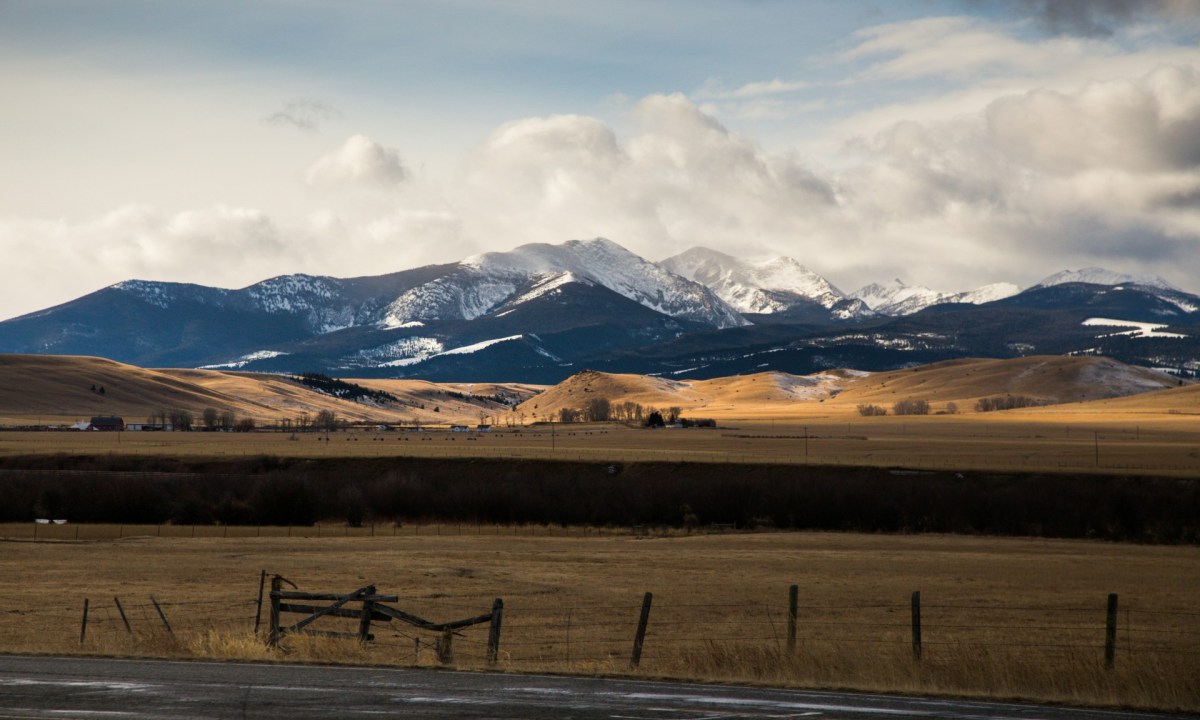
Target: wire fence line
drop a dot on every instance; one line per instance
(544, 634)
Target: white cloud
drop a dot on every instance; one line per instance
(681, 178)
(359, 161)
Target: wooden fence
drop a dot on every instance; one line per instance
(374, 608)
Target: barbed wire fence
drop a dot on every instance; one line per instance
(658, 633)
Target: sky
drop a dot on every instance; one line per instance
(947, 143)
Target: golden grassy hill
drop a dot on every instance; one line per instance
(49, 389)
(738, 396)
(1049, 379)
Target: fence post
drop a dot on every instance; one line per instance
(493, 647)
(636, 658)
(262, 580)
(83, 625)
(162, 615)
(121, 610)
(916, 625)
(364, 618)
(1110, 631)
(276, 588)
(793, 607)
(445, 647)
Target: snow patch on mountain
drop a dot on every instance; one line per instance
(245, 360)
(402, 349)
(463, 350)
(1140, 329)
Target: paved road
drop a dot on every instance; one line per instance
(90, 688)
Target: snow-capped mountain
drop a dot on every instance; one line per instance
(898, 298)
(482, 283)
(1153, 284)
(985, 294)
(765, 288)
(540, 312)
(1101, 276)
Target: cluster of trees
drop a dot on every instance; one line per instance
(274, 491)
(1007, 402)
(600, 409)
(910, 407)
(905, 407)
(323, 421)
(183, 420)
(342, 389)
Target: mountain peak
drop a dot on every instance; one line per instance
(771, 286)
(1103, 276)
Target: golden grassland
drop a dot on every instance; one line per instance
(1008, 618)
(1096, 425)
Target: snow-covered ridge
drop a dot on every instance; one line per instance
(767, 287)
(1101, 276)
(482, 283)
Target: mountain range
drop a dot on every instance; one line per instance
(542, 312)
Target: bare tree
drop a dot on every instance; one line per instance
(326, 420)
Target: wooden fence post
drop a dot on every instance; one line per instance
(83, 625)
(121, 610)
(493, 646)
(916, 625)
(364, 618)
(1110, 632)
(793, 607)
(445, 647)
(262, 581)
(162, 615)
(276, 588)
(636, 658)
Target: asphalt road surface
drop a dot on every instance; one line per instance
(91, 688)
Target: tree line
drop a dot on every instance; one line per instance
(274, 491)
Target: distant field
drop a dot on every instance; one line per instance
(1001, 617)
(1032, 440)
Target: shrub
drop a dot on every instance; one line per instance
(871, 411)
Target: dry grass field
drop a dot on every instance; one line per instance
(1010, 618)
(1055, 439)
(1005, 618)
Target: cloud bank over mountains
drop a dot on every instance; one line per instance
(946, 150)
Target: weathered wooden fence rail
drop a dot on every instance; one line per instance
(374, 608)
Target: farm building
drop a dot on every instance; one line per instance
(106, 423)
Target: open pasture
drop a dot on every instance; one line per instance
(1001, 617)
(1162, 444)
